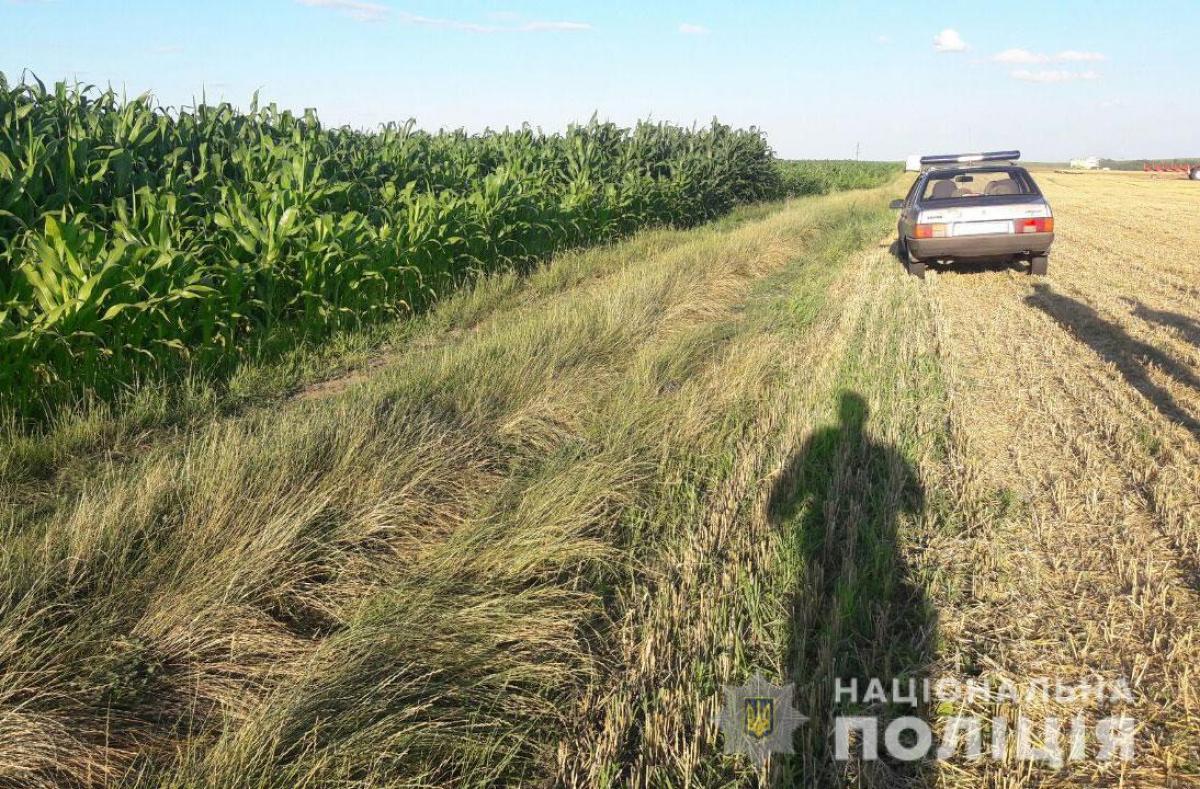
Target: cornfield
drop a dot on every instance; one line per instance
(136, 240)
(818, 177)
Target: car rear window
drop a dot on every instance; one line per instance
(980, 183)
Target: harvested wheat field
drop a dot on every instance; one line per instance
(1076, 411)
(528, 537)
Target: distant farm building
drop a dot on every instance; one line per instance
(1090, 163)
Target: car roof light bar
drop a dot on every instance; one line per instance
(971, 158)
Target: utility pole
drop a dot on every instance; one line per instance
(856, 147)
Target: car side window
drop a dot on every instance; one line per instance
(1028, 185)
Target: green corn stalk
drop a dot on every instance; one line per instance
(136, 243)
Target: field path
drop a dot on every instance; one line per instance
(1076, 403)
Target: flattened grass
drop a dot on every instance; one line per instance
(457, 570)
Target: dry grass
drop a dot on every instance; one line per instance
(433, 574)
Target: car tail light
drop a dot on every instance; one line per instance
(931, 231)
(1036, 225)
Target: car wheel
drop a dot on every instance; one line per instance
(1039, 265)
(916, 268)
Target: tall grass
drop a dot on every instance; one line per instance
(137, 240)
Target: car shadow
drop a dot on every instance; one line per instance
(1188, 328)
(857, 613)
(979, 266)
(1131, 356)
(964, 267)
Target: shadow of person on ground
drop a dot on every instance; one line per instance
(857, 615)
(1132, 357)
(1189, 328)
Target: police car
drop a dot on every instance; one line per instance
(973, 207)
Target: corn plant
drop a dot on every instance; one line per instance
(136, 241)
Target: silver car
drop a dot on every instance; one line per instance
(968, 207)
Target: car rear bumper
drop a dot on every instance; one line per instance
(980, 246)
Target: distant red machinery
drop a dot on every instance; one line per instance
(1192, 170)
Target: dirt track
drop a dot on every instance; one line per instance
(1077, 403)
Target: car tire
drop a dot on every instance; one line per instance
(1039, 265)
(916, 268)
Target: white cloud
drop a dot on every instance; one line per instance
(1068, 55)
(355, 9)
(166, 49)
(1053, 75)
(567, 27)
(508, 22)
(883, 39)
(454, 24)
(1025, 57)
(688, 29)
(949, 40)
(474, 27)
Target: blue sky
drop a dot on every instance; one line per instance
(1057, 79)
